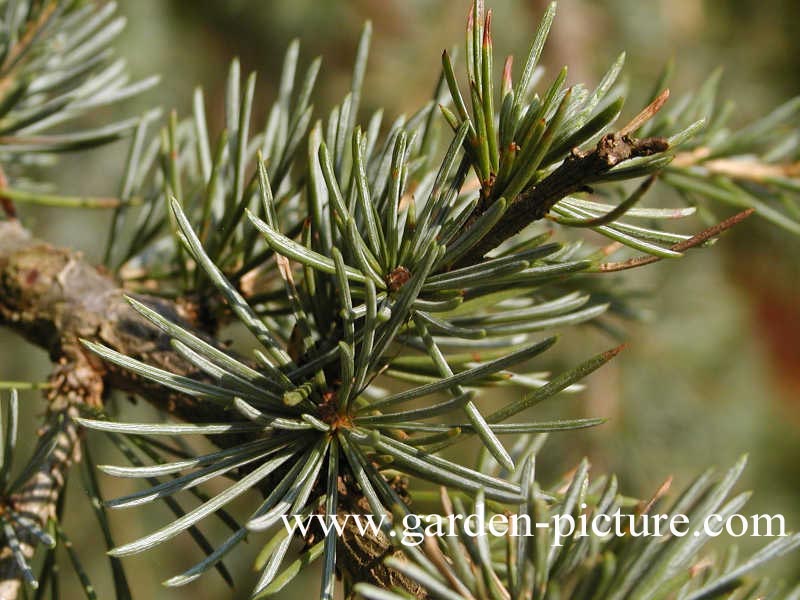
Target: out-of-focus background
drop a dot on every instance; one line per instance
(714, 374)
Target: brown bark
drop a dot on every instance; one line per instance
(37, 500)
(53, 298)
(578, 170)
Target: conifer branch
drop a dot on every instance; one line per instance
(579, 170)
(576, 173)
(349, 255)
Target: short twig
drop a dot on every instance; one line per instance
(578, 170)
(692, 242)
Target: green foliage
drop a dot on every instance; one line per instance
(754, 166)
(56, 66)
(358, 256)
(552, 563)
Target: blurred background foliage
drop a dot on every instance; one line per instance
(715, 372)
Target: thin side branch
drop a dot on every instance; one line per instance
(692, 242)
(742, 169)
